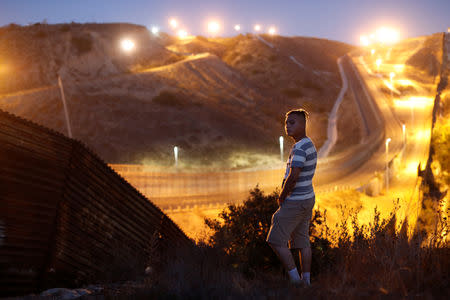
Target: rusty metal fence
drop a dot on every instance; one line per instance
(65, 215)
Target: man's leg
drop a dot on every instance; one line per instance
(285, 255)
(305, 259)
(300, 239)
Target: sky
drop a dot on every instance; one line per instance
(343, 20)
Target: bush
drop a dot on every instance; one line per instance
(243, 234)
(167, 98)
(377, 257)
(82, 44)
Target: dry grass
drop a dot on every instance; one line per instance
(376, 260)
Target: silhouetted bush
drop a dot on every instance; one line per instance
(167, 98)
(82, 44)
(243, 234)
(352, 261)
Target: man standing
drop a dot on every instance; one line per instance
(291, 221)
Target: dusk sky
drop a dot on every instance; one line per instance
(342, 20)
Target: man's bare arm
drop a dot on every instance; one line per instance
(289, 184)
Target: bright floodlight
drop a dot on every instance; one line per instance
(257, 27)
(173, 23)
(364, 40)
(213, 27)
(127, 45)
(182, 33)
(272, 30)
(237, 27)
(387, 35)
(378, 62)
(372, 51)
(391, 75)
(155, 30)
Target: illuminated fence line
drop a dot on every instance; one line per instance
(65, 216)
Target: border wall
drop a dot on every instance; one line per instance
(65, 215)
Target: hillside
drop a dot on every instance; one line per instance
(220, 100)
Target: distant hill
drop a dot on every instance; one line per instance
(220, 100)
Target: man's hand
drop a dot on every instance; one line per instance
(289, 184)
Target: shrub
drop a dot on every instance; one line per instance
(243, 234)
(82, 44)
(167, 98)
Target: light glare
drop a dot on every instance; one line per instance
(387, 35)
(257, 27)
(272, 30)
(155, 30)
(237, 27)
(127, 45)
(173, 23)
(182, 34)
(364, 40)
(213, 27)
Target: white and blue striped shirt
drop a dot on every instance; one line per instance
(303, 155)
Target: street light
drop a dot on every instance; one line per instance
(391, 76)
(173, 23)
(213, 27)
(66, 112)
(182, 34)
(127, 45)
(155, 30)
(175, 153)
(388, 140)
(364, 40)
(257, 27)
(378, 62)
(281, 147)
(237, 27)
(272, 30)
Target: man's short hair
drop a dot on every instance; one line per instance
(298, 112)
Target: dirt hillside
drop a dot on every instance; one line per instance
(220, 100)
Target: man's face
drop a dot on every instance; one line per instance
(294, 125)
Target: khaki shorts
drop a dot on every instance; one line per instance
(291, 223)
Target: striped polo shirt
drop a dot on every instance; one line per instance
(303, 155)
